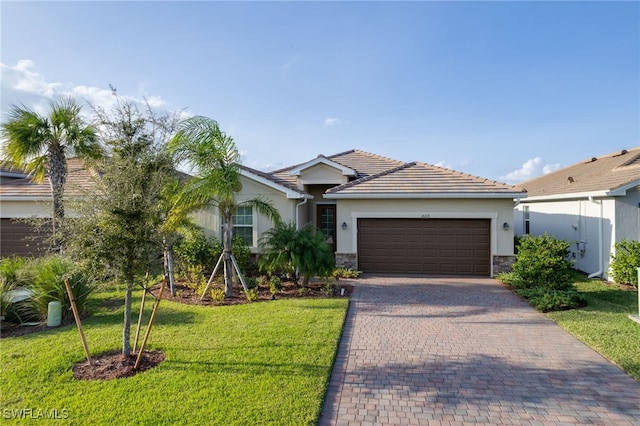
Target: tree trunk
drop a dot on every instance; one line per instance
(126, 330)
(227, 248)
(57, 170)
(168, 268)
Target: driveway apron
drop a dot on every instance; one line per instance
(455, 351)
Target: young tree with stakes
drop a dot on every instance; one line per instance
(215, 161)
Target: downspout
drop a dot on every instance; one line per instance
(599, 272)
(298, 212)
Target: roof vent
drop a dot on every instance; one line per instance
(570, 179)
(623, 152)
(593, 159)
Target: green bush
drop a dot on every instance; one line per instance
(46, 278)
(547, 300)
(275, 285)
(196, 254)
(251, 295)
(217, 294)
(542, 261)
(9, 268)
(346, 273)
(196, 250)
(286, 249)
(624, 264)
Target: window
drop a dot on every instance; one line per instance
(526, 220)
(243, 224)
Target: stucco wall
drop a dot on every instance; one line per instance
(210, 220)
(498, 211)
(321, 174)
(25, 209)
(628, 216)
(577, 221)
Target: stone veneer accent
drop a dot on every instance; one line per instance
(502, 264)
(347, 260)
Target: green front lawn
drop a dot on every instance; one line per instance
(260, 363)
(604, 323)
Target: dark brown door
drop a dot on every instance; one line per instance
(424, 246)
(326, 220)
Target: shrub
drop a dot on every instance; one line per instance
(9, 268)
(346, 273)
(217, 294)
(46, 278)
(547, 300)
(287, 249)
(542, 261)
(275, 285)
(625, 263)
(196, 250)
(251, 295)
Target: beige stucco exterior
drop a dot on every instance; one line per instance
(25, 208)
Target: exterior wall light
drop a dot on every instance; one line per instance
(344, 226)
(505, 226)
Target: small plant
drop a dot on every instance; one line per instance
(275, 285)
(217, 294)
(346, 273)
(329, 288)
(9, 270)
(251, 295)
(302, 291)
(47, 277)
(625, 262)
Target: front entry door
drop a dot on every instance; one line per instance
(326, 219)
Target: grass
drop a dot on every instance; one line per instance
(261, 363)
(604, 324)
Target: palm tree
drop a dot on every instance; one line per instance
(216, 164)
(41, 145)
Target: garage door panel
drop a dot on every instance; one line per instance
(429, 246)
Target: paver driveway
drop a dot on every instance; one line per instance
(452, 351)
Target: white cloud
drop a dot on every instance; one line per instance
(23, 84)
(444, 164)
(332, 121)
(532, 168)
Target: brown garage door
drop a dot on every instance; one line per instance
(424, 246)
(20, 238)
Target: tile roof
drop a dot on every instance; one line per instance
(79, 180)
(364, 163)
(423, 179)
(606, 173)
(276, 179)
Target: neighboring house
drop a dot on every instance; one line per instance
(387, 216)
(21, 199)
(593, 204)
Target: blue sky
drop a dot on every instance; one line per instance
(503, 90)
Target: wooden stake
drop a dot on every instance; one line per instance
(144, 296)
(146, 334)
(77, 318)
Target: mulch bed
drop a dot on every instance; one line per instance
(114, 365)
(313, 289)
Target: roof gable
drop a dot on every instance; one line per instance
(322, 160)
(610, 174)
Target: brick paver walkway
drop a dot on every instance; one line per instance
(451, 351)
